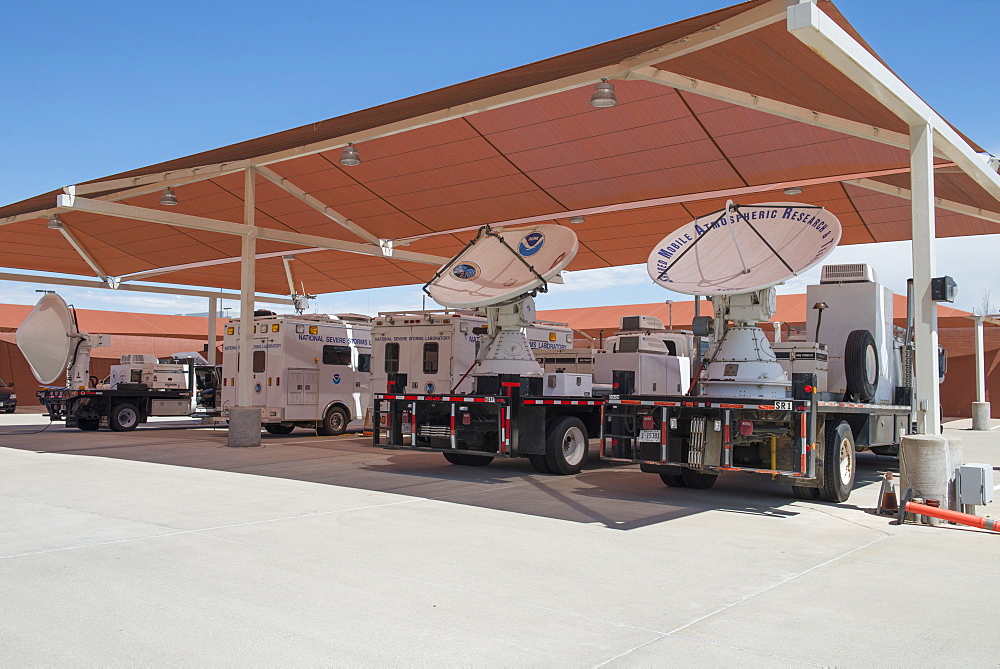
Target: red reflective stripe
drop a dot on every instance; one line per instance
(730, 406)
(510, 385)
(630, 402)
(452, 424)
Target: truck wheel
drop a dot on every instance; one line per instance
(698, 480)
(801, 492)
(673, 480)
(566, 446)
(88, 424)
(123, 418)
(861, 365)
(540, 464)
(278, 428)
(839, 462)
(334, 423)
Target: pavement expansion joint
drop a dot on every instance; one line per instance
(674, 632)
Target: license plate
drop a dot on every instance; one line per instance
(650, 435)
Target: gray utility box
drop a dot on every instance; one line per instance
(975, 484)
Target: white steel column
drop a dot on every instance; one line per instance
(213, 309)
(244, 418)
(248, 277)
(925, 336)
(980, 360)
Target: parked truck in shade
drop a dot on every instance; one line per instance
(310, 371)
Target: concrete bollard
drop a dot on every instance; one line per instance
(244, 427)
(981, 416)
(927, 464)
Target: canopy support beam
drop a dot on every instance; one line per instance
(87, 258)
(226, 227)
(299, 194)
(819, 32)
(947, 205)
(160, 290)
(771, 107)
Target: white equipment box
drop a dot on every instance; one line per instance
(975, 484)
(802, 357)
(568, 385)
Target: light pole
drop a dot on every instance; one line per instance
(670, 306)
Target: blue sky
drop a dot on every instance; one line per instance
(92, 89)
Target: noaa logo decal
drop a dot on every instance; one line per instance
(465, 271)
(429, 388)
(531, 244)
(257, 388)
(336, 378)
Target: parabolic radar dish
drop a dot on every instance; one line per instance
(47, 338)
(499, 266)
(743, 248)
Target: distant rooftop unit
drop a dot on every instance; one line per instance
(859, 273)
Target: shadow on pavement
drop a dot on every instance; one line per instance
(610, 495)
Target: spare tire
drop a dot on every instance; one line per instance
(861, 366)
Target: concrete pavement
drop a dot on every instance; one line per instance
(162, 546)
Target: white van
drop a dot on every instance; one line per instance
(309, 371)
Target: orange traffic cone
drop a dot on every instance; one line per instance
(887, 496)
(366, 430)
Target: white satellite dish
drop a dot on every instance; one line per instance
(48, 338)
(500, 266)
(743, 248)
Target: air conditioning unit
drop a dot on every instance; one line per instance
(860, 273)
(633, 323)
(139, 359)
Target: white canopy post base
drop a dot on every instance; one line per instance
(981, 416)
(244, 427)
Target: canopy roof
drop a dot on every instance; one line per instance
(693, 128)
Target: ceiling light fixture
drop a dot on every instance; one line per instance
(55, 223)
(794, 190)
(349, 156)
(577, 220)
(603, 95)
(168, 197)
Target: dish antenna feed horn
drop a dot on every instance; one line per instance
(735, 257)
(497, 274)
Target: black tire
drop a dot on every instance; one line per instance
(861, 365)
(839, 462)
(334, 422)
(467, 460)
(698, 480)
(540, 464)
(124, 418)
(566, 446)
(453, 458)
(278, 428)
(809, 494)
(89, 424)
(673, 480)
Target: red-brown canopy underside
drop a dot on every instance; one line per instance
(542, 156)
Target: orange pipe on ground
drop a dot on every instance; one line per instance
(953, 516)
